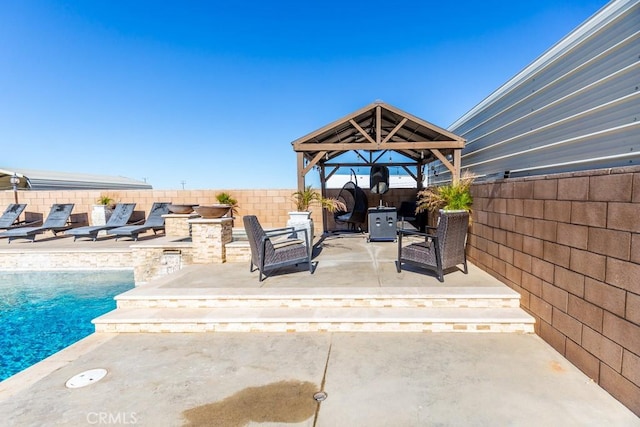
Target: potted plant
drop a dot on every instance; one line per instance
(102, 210)
(301, 217)
(303, 200)
(106, 200)
(226, 199)
(452, 196)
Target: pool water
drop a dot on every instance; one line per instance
(44, 312)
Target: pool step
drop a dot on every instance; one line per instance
(481, 309)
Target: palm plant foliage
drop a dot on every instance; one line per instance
(226, 199)
(307, 197)
(452, 196)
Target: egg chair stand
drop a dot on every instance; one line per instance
(355, 200)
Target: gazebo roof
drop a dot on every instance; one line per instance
(379, 127)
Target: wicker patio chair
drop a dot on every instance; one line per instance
(440, 250)
(268, 253)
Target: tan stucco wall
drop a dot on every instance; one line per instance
(270, 206)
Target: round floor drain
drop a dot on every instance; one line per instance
(320, 396)
(86, 378)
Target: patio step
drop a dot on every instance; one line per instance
(454, 309)
(457, 297)
(316, 319)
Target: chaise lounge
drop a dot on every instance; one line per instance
(119, 218)
(154, 222)
(56, 221)
(9, 218)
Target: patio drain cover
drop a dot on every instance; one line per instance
(320, 396)
(86, 378)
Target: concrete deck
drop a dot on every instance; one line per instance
(375, 379)
(371, 379)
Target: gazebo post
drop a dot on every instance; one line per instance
(301, 173)
(457, 157)
(323, 192)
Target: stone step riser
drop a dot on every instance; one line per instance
(462, 327)
(320, 302)
(342, 319)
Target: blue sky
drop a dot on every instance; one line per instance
(212, 93)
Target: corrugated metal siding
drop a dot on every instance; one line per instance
(52, 180)
(576, 107)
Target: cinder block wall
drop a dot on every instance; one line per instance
(570, 244)
(270, 206)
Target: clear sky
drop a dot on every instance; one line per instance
(211, 93)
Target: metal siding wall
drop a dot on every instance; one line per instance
(579, 110)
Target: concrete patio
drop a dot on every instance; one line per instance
(270, 378)
(371, 379)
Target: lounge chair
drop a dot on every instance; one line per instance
(154, 222)
(119, 218)
(441, 250)
(9, 218)
(268, 254)
(56, 221)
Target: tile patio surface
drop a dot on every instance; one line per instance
(371, 379)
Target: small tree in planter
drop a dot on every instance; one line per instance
(304, 199)
(106, 200)
(452, 196)
(102, 210)
(226, 199)
(307, 197)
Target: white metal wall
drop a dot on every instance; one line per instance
(576, 107)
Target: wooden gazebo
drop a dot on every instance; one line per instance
(378, 134)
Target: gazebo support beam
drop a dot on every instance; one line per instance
(362, 132)
(378, 123)
(314, 161)
(453, 168)
(395, 130)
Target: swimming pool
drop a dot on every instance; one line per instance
(44, 312)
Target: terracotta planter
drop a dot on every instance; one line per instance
(181, 209)
(212, 211)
